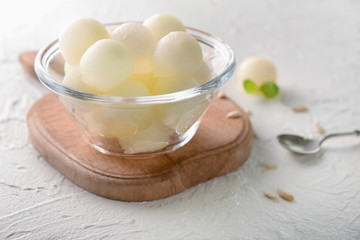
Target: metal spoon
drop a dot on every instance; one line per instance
(305, 145)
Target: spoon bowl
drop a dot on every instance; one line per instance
(303, 145)
(299, 144)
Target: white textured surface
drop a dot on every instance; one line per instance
(316, 47)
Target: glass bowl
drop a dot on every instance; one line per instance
(138, 126)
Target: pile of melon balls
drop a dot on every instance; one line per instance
(135, 59)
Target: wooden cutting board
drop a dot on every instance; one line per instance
(220, 145)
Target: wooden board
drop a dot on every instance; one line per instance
(27, 61)
(220, 145)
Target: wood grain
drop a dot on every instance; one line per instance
(220, 146)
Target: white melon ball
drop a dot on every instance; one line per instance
(73, 80)
(129, 88)
(153, 138)
(67, 67)
(145, 78)
(162, 24)
(111, 29)
(173, 84)
(77, 109)
(78, 36)
(192, 110)
(257, 69)
(95, 124)
(106, 64)
(204, 74)
(177, 53)
(125, 120)
(114, 122)
(179, 116)
(140, 41)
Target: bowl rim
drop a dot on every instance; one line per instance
(44, 56)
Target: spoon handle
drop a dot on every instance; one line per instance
(356, 133)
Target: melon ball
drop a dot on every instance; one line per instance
(177, 53)
(192, 111)
(77, 109)
(179, 116)
(111, 29)
(78, 36)
(173, 84)
(95, 124)
(106, 64)
(73, 80)
(257, 69)
(153, 138)
(145, 78)
(129, 88)
(162, 24)
(113, 122)
(67, 67)
(126, 120)
(204, 74)
(140, 41)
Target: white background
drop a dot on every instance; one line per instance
(316, 48)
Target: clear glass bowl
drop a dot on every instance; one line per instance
(138, 126)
